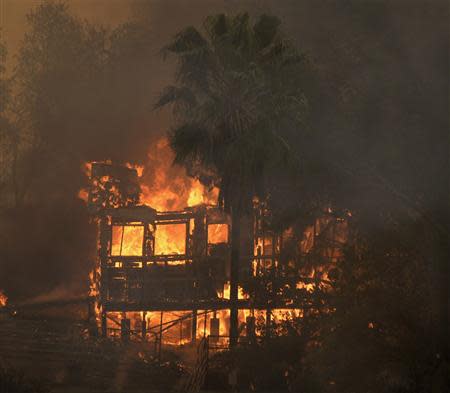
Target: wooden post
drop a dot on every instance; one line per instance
(234, 276)
(160, 337)
(214, 328)
(125, 329)
(268, 323)
(194, 326)
(104, 239)
(250, 329)
(104, 327)
(144, 326)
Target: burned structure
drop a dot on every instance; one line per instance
(157, 271)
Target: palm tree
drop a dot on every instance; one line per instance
(240, 91)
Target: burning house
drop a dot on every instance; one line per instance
(165, 275)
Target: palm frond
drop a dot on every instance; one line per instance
(187, 40)
(216, 26)
(266, 29)
(174, 94)
(241, 93)
(240, 32)
(191, 144)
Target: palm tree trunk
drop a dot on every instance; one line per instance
(234, 276)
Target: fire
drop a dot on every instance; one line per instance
(217, 233)
(309, 287)
(127, 240)
(170, 239)
(83, 194)
(93, 281)
(198, 194)
(86, 168)
(167, 187)
(3, 299)
(138, 168)
(226, 292)
(164, 187)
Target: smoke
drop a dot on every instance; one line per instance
(93, 94)
(46, 247)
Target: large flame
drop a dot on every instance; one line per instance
(127, 240)
(170, 239)
(167, 187)
(164, 187)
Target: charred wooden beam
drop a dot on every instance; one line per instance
(166, 305)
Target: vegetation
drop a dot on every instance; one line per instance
(69, 103)
(12, 380)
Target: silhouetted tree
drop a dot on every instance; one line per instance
(240, 86)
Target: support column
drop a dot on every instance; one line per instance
(204, 323)
(125, 329)
(160, 336)
(144, 326)
(234, 276)
(214, 328)
(250, 328)
(103, 322)
(194, 326)
(268, 322)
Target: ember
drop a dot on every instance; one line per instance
(3, 299)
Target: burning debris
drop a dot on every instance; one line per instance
(3, 299)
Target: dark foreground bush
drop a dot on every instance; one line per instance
(14, 381)
(269, 367)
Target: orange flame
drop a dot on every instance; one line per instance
(170, 239)
(167, 187)
(3, 299)
(127, 240)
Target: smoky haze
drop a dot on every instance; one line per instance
(385, 60)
